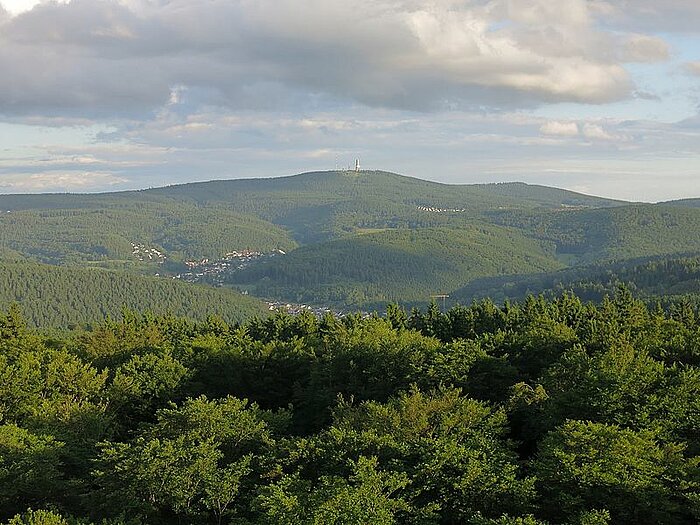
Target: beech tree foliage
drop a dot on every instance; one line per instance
(544, 412)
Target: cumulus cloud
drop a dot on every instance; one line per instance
(57, 181)
(644, 48)
(112, 57)
(649, 15)
(560, 129)
(597, 132)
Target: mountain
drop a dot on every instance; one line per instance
(692, 203)
(586, 236)
(322, 205)
(106, 231)
(547, 196)
(53, 296)
(351, 238)
(268, 213)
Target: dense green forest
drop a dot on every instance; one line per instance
(367, 271)
(212, 218)
(542, 412)
(60, 297)
(652, 279)
(352, 239)
(178, 230)
(611, 234)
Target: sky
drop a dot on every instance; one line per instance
(596, 96)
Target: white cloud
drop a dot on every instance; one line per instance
(644, 48)
(560, 129)
(52, 181)
(17, 6)
(596, 132)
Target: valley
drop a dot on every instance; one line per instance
(345, 240)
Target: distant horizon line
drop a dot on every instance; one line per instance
(339, 170)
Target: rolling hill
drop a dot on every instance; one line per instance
(103, 234)
(52, 296)
(352, 238)
(261, 214)
(586, 236)
(650, 278)
(396, 265)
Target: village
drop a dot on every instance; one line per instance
(295, 309)
(432, 209)
(213, 272)
(143, 253)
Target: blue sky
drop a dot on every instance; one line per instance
(599, 96)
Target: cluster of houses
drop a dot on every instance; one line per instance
(143, 253)
(432, 209)
(293, 308)
(213, 272)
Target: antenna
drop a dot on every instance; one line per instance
(357, 164)
(442, 296)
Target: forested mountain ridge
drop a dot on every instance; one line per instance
(392, 187)
(312, 206)
(325, 220)
(652, 279)
(315, 187)
(610, 234)
(97, 234)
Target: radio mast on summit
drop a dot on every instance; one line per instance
(357, 164)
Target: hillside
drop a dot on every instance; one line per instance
(547, 196)
(320, 205)
(312, 206)
(610, 234)
(396, 265)
(52, 296)
(670, 277)
(352, 238)
(691, 203)
(107, 231)
(338, 186)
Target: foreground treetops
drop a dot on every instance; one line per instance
(541, 412)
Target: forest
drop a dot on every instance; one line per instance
(61, 297)
(371, 269)
(545, 411)
(352, 240)
(650, 278)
